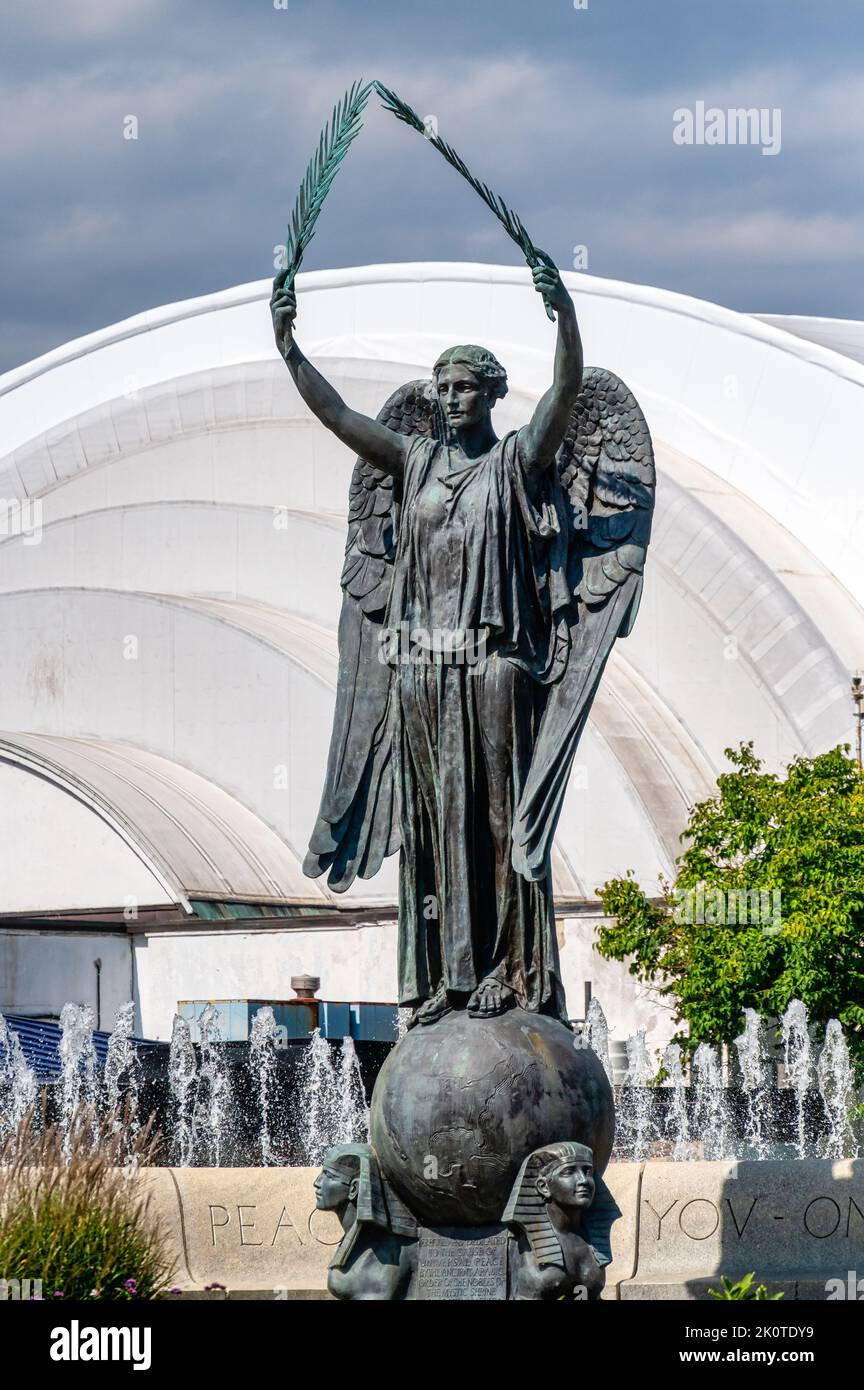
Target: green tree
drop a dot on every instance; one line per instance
(800, 836)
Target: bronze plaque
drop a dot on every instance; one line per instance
(454, 1265)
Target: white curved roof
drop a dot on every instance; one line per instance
(845, 336)
(194, 839)
(187, 501)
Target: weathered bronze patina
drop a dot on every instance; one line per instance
(485, 582)
(484, 585)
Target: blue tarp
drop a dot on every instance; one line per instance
(40, 1043)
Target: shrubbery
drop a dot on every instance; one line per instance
(73, 1216)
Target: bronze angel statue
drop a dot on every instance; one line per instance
(485, 583)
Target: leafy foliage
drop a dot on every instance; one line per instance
(509, 220)
(801, 835)
(343, 127)
(742, 1291)
(76, 1219)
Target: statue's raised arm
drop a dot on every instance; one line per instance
(381, 447)
(541, 438)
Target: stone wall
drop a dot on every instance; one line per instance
(256, 1233)
(253, 1231)
(796, 1224)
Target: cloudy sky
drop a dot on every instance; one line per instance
(566, 112)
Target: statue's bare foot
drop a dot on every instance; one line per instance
(433, 1009)
(491, 998)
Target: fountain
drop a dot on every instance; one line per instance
(297, 1113)
(755, 1067)
(798, 1065)
(182, 1075)
(211, 1108)
(677, 1126)
(837, 1088)
(316, 1101)
(123, 1076)
(637, 1128)
(352, 1121)
(711, 1117)
(77, 1065)
(18, 1089)
(596, 1035)
(262, 1064)
(325, 1102)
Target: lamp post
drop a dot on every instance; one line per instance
(857, 692)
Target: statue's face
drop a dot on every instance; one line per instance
(333, 1189)
(568, 1185)
(464, 399)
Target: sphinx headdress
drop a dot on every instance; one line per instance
(376, 1203)
(527, 1209)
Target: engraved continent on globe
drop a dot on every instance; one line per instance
(459, 1104)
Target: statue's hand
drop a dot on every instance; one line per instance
(548, 282)
(283, 310)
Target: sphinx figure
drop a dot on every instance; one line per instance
(560, 1213)
(377, 1254)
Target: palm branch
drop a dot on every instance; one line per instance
(336, 137)
(510, 221)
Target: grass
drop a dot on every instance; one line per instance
(73, 1216)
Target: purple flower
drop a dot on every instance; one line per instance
(58, 1293)
(131, 1286)
(175, 1291)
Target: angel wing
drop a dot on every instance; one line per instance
(606, 467)
(356, 826)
